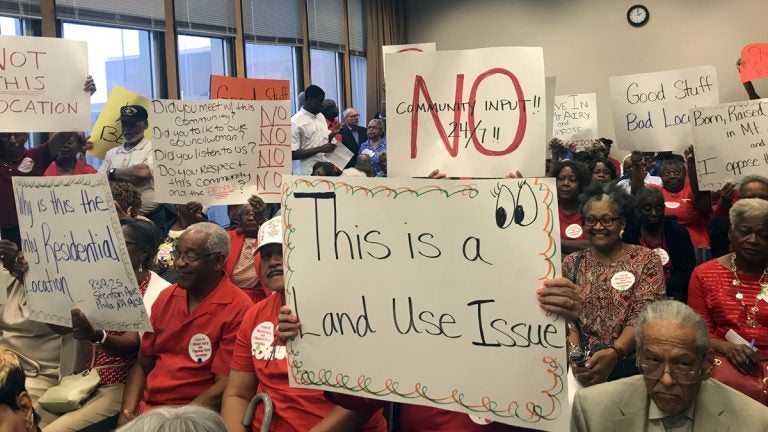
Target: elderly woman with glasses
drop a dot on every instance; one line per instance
(616, 280)
(731, 293)
(241, 266)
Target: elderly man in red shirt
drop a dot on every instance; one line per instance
(185, 360)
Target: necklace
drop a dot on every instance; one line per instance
(751, 313)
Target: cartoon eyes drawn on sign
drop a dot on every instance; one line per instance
(511, 207)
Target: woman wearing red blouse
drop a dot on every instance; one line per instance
(571, 177)
(731, 292)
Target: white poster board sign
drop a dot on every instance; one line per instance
(427, 310)
(41, 89)
(575, 119)
(220, 151)
(72, 239)
(650, 111)
(551, 89)
(731, 142)
(406, 48)
(473, 113)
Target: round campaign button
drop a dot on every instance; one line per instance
(573, 231)
(200, 348)
(663, 255)
(672, 204)
(262, 338)
(622, 280)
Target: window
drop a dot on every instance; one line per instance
(10, 26)
(326, 73)
(199, 58)
(115, 57)
(274, 62)
(359, 84)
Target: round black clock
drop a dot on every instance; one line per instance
(638, 15)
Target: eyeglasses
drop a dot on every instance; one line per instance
(189, 257)
(605, 221)
(681, 373)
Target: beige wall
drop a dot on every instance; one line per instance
(587, 41)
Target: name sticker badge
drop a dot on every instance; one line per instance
(573, 231)
(480, 420)
(672, 204)
(200, 348)
(622, 280)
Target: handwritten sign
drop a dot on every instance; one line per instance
(406, 48)
(107, 133)
(754, 62)
(551, 89)
(459, 316)
(225, 87)
(650, 111)
(220, 151)
(476, 113)
(731, 142)
(41, 85)
(72, 239)
(575, 119)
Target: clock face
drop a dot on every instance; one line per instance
(638, 15)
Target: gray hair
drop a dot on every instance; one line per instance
(347, 112)
(673, 310)
(190, 418)
(218, 240)
(753, 178)
(378, 122)
(753, 208)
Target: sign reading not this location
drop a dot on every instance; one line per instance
(445, 309)
(731, 142)
(575, 119)
(650, 111)
(220, 151)
(473, 113)
(72, 239)
(41, 85)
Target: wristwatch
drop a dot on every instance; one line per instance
(111, 174)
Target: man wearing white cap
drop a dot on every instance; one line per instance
(259, 363)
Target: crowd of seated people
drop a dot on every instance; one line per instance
(645, 219)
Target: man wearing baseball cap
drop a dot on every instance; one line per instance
(259, 362)
(132, 162)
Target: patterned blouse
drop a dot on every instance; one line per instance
(711, 293)
(607, 309)
(374, 154)
(114, 369)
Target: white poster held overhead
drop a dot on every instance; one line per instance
(731, 142)
(551, 88)
(71, 237)
(41, 87)
(450, 298)
(407, 48)
(575, 119)
(220, 151)
(650, 111)
(475, 113)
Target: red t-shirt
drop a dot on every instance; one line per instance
(682, 205)
(570, 226)
(190, 349)
(33, 162)
(80, 168)
(295, 409)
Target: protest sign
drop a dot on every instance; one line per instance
(107, 133)
(41, 86)
(754, 62)
(551, 88)
(731, 142)
(426, 311)
(407, 48)
(476, 113)
(650, 111)
(71, 237)
(575, 119)
(225, 87)
(220, 151)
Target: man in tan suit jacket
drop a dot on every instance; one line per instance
(675, 392)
